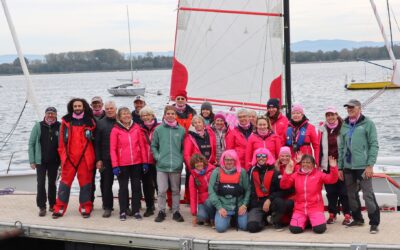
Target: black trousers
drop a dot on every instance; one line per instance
(94, 184)
(134, 173)
(51, 169)
(149, 181)
(106, 183)
(337, 193)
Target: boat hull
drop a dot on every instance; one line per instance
(371, 85)
(126, 91)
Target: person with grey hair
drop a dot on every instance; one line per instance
(103, 159)
(149, 178)
(200, 139)
(358, 151)
(237, 138)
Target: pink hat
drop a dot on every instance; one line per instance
(270, 157)
(220, 115)
(285, 151)
(331, 109)
(298, 108)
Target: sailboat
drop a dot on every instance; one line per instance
(230, 53)
(133, 86)
(394, 82)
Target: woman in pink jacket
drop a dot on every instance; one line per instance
(202, 210)
(127, 154)
(238, 137)
(308, 201)
(200, 140)
(302, 135)
(263, 137)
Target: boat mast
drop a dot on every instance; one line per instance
(130, 46)
(390, 24)
(288, 79)
(30, 97)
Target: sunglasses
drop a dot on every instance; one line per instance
(180, 98)
(261, 155)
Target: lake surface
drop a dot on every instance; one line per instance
(314, 85)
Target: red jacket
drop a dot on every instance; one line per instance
(126, 148)
(238, 142)
(308, 188)
(199, 193)
(190, 147)
(146, 136)
(270, 142)
(311, 141)
(73, 141)
(280, 126)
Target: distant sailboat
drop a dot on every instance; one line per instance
(394, 82)
(133, 86)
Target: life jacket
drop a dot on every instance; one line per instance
(229, 184)
(262, 189)
(185, 122)
(296, 140)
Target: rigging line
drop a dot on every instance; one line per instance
(373, 97)
(186, 43)
(14, 127)
(395, 19)
(390, 24)
(204, 38)
(228, 53)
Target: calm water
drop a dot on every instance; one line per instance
(314, 85)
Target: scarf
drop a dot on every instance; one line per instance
(171, 124)
(201, 132)
(78, 117)
(354, 120)
(245, 127)
(149, 124)
(332, 125)
(180, 109)
(305, 171)
(262, 133)
(97, 112)
(201, 172)
(230, 171)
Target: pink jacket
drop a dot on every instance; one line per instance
(308, 188)
(126, 148)
(238, 142)
(146, 137)
(199, 194)
(280, 127)
(271, 142)
(190, 147)
(311, 141)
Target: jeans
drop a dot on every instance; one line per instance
(205, 211)
(222, 223)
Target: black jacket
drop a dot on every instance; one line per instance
(49, 136)
(102, 139)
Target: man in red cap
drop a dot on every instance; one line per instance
(77, 156)
(184, 112)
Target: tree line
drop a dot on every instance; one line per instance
(95, 60)
(110, 59)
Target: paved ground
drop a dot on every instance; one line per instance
(22, 208)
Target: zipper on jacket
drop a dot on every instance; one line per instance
(170, 151)
(305, 194)
(130, 147)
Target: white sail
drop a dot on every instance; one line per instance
(229, 52)
(396, 74)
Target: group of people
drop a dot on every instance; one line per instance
(246, 171)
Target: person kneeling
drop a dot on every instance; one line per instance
(229, 192)
(309, 205)
(267, 198)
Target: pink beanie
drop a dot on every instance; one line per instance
(331, 109)
(298, 108)
(220, 115)
(285, 150)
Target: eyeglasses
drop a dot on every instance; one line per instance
(261, 155)
(180, 99)
(306, 162)
(229, 159)
(350, 107)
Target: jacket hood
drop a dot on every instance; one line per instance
(270, 157)
(232, 153)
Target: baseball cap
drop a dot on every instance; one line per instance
(353, 103)
(139, 98)
(97, 99)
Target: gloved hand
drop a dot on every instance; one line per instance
(88, 134)
(116, 171)
(146, 168)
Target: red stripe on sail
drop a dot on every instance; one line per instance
(275, 89)
(199, 100)
(232, 12)
(179, 78)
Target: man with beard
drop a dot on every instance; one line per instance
(279, 122)
(138, 102)
(103, 159)
(43, 157)
(77, 156)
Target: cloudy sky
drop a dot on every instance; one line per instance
(46, 26)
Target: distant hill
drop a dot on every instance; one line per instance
(331, 45)
(11, 58)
